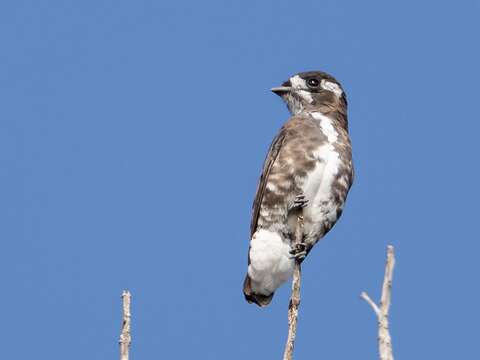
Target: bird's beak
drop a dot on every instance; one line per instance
(280, 90)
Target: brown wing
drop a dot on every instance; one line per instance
(267, 167)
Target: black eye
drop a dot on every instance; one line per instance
(313, 83)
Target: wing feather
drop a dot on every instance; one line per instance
(272, 155)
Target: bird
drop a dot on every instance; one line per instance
(309, 168)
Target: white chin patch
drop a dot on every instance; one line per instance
(331, 86)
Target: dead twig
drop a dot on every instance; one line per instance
(384, 339)
(125, 337)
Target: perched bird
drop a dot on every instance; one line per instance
(308, 167)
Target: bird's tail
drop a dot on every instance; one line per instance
(259, 299)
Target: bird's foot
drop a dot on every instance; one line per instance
(298, 252)
(300, 202)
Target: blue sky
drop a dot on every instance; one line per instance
(131, 139)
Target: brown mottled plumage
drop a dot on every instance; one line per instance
(311, 156)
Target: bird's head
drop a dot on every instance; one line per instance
(311, 90)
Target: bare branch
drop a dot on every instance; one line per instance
(295, 298)
(367, 298)
(387, 280)
(125, 337)
(384, 339)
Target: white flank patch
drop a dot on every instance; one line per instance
(270, 262)
(318, 185)
(323, 196)
(327, 127)
(331, 86)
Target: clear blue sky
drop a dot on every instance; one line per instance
(131, 139)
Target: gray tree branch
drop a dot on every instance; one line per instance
(295, 297)
(382, 311)
(125, 337)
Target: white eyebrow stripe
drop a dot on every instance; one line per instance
(331, 86)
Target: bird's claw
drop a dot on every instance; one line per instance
(298, 252)
(300, 202)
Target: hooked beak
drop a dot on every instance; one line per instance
(280, 90)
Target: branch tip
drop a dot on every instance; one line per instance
(125, 336)
(384, 339)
